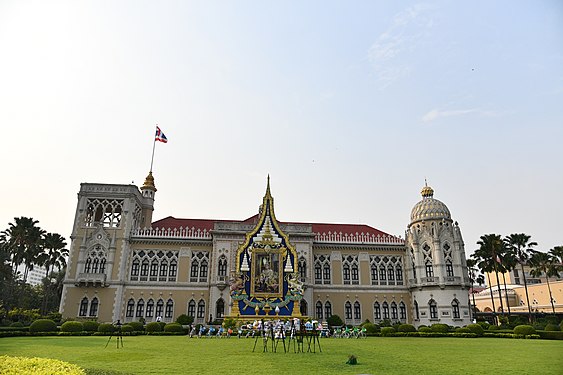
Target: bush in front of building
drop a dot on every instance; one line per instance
(334, 321)
(387, 331)
(463, 330)
(539, 326)
(127, 328)
(90, 325)
(162, 325)
(370, 328)
(552, 327)
(106, 328)
(524, 329)
(137, 326)
(424, 329)
(484, 324)
(406, 328)
(184, 320)
(43, 325)
(173, 328)
(439, 327)
(17, 325)
(476, 328)
(72, 326)
(153, 327)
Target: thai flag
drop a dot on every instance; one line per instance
(160, 136)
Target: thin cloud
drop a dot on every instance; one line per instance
(437, 114)
(406, 30)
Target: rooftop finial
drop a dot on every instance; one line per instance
(268, 186)
(427, 191)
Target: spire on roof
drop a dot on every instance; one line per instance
(149, 183)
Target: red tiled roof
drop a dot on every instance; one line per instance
(207, 224)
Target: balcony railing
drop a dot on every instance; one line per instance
(93, 279)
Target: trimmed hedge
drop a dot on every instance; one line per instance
(439, 327)
(90, 325)
(137, 326)
(406, 328)
(72, 326)
(551, 335)
(552, 327)
(476, 328)
(173, 327)
(43, 325)
(153, 327)
(387, 331)
(127, 328)
(463, 330)
(424, 329)
(524, 329)
(370, 327)
(106, 328)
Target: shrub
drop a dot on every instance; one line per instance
(90, 325)
(43, 325)
(406, 328)
(127, 328)
(387, 331)
(22, 365)
(17, 324)
(539, 326)
(137, 326)
(334, 320)
(464, 330)
(424, 329)
(370, 327)
(162, 325)
(106, 328)
(228, 323)
(54, 316)
(173, 327)
(184, 320)
(438, 327)
(476, 328)
(524, 329)
(153, 327)
(494, 328)
(552, 327)
(551, 335)
(72, 326)
(485, 325)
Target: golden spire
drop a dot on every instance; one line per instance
(149, 182)
(427, 191)
(268, 186)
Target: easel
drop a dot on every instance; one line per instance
(118, 336)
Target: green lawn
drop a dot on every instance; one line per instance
(377, 355)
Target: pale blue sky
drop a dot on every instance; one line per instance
(347, 105)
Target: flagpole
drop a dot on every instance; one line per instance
(152, 157)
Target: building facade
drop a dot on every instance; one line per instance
(124, 266)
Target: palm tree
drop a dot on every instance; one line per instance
(507, 263)
(557, 253)
(490, 249)
(521, 248)
(54, 255)
(544, 263)
(23, 242)
(475, 276)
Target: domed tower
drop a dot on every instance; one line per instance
(436, 266)
(148, 190)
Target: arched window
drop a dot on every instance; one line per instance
(376, 311)
(390, 274)
(130, 308)
(302, 268)
(385, 310)
(163, 274)
(326, 273)
(94, 307)
(399, 274)
(322, 269)
(455, 309)
(346, 273)
(416, 311)
(135, 270)
(169, 309)
(382, 276)
(140, 308)
(402, 311)
(303, 307)
(449, 268)
(348, 310)
(173, 270)
(394, 312)
(191, 308)
(83, 311)
(429, 269)
(373, 272)
(103, 265)
(154, 269)
(222, 266)
(95, 264)
(144, 269)
(150, 308)
(159, 308)
(318, 273)
(328, 309)
(201, 309)
(433, 309)
(357, 311)
(319, 310)
(203, 272)
(194, 271)
(355, 274)
(88, 265)
(220, 308)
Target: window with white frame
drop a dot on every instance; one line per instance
(154, 266)
(348, 310)
(319, 310)
(199, 267)
(433, 307)
(104, 211)
(322, 269)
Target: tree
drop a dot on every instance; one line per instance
(488, 255)
(521, 248)
(507, 263)
(557, 253)
(475, 276)
(23, 240)
(544, 263)
(53, 254)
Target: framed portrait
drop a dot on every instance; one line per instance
(267, 274)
